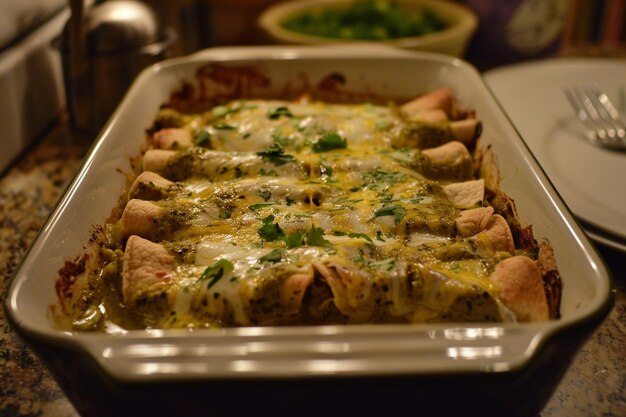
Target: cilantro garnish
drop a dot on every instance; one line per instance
(360, 236)
(402, 155)
(259, 206)
(225, 214)
(223, 126)
(201, 137)
(384, 265)
(265, 194)
(354, 235)
(278, 112)
(329, 141)
(397, 212)
(281, 140)
(294, 240)
(275, 154)
(274, 256)
(221, 111)
(215, 271)
(270, 231)
(379, 179)
(315, 237)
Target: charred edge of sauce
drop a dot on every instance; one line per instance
(67, 276)
(216, 84)
(553, 286)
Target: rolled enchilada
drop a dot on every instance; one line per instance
(269, 212)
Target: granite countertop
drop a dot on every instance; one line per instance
(595, 385)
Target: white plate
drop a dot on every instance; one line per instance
(590, 179)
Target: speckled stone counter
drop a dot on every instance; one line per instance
(595, 385)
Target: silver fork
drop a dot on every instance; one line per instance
(602, 122)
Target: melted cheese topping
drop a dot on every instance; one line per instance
(291, 213)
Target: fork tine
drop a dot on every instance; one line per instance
(592, 131)
(611, 111)
(601, 119)
(599, 114)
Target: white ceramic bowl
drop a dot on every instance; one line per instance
(486, 369)
(451, 41)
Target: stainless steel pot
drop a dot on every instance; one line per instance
(102, 52)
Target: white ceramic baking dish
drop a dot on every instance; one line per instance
(492, 369)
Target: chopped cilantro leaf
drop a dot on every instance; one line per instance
(380, 179)
(360, 236)
(280, 140)
(225, 214)
(275, 154)
(397, 212)
(270, 231)
(265, 194)
(359, 259)
(294, 240)
(384, 265)
(223, 126)
(201, 137)
(221, 111)
(402, 155)
(274, 256)
(315, 237)
(259, 206)
(353, 235)
(278, 112)
(329, 141)
(215, 271)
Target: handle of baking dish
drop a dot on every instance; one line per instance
(299, 352)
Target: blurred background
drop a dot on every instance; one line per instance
(34, 94)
